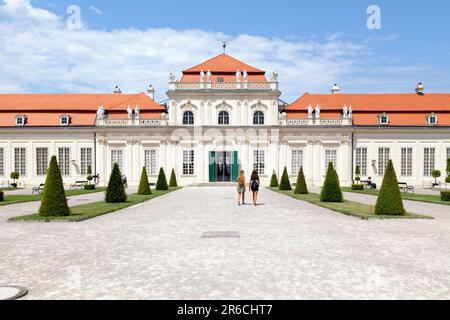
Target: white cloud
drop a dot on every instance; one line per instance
(96, 10)
(38, 54)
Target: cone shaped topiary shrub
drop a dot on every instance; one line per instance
(173, 180)
(301, 187)
(331, 191)
(390, 201)
(285, 184)
(53, 201)
(2, 198)
(144, 187)
(161, 184)
(115, 193)
(274, 180)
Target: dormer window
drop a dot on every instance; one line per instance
(383, 119)
(64, 120)
(432, 119)
(220, 79)
(21, 120)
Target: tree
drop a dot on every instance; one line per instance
(390, 199)
(144, 187)
(357, 173)
(54, 201)
(115, 193)
(173, 180)
(285, 184)
(436, 174)
(447, 179)
(89, 173)
(331, 191)
(161, 184)
(274, 180)
(15, 176)
(301, 187)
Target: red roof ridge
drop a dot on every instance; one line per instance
(247, 67)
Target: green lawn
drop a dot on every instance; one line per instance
(21, 198)
(91, 210)
(355, 209)
(406, 196)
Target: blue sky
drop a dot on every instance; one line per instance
(413, 44)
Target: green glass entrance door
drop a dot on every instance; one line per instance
(223, 166)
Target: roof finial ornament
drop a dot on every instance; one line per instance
(224, 47)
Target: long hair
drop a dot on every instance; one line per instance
(255, 175)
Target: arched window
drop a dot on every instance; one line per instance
(224, 117)
(258, 118)
(432, 119)
(383, 119)
(188, 118)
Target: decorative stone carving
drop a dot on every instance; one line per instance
(318, 112)
(274, 76)
(202, 76)
(137, 112)
(310, 112)
(208, 76)
(238, 76)
(101, 114)
(172, 77)
(245, 76)
(130, 112)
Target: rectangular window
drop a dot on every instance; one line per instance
(259, 161)
(297, 161)
(330, 156)
(41, 161)
(406, 161)
(117, 157)
(85, 160)
(150, 162)
(428, 161)
(448, 155)
(20, 161)
(2, 162)
(361, 160)
(188, 162)
(383, 160)
(64, 161)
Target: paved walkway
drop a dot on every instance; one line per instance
(287, 250)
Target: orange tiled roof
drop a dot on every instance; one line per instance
(402, 109)
(223, 63)
(374, 102)
(46, 109)
(64, 102)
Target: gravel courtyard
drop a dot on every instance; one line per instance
(286, 249)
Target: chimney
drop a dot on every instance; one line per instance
(335, 89)
(117, 90)
(151, 92)
(420, 89)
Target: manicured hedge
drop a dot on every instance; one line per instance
(89, 187)
(285, 184)
(301, 187)
(2, 196)
(115, 193)
(274, 180)
(358, 187)
(445, 195)
(173, 180)
(331, 191)
(390, 202)
(161, 184)
(144, 187)
(54, 201)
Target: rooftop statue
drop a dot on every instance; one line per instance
(101, 113)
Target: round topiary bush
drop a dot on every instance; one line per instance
(447, 179)
(115, 193)
(54, 201)
(144, 187)
(445, 195)
(390, 200)
(301, 187)
(161, 184)
(331, 191)
(2, 198)
(274, 180)
(285, 184)
(358, 187)
(173, 180)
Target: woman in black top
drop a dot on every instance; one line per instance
(254, 186)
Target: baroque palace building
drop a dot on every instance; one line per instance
(222, 116)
